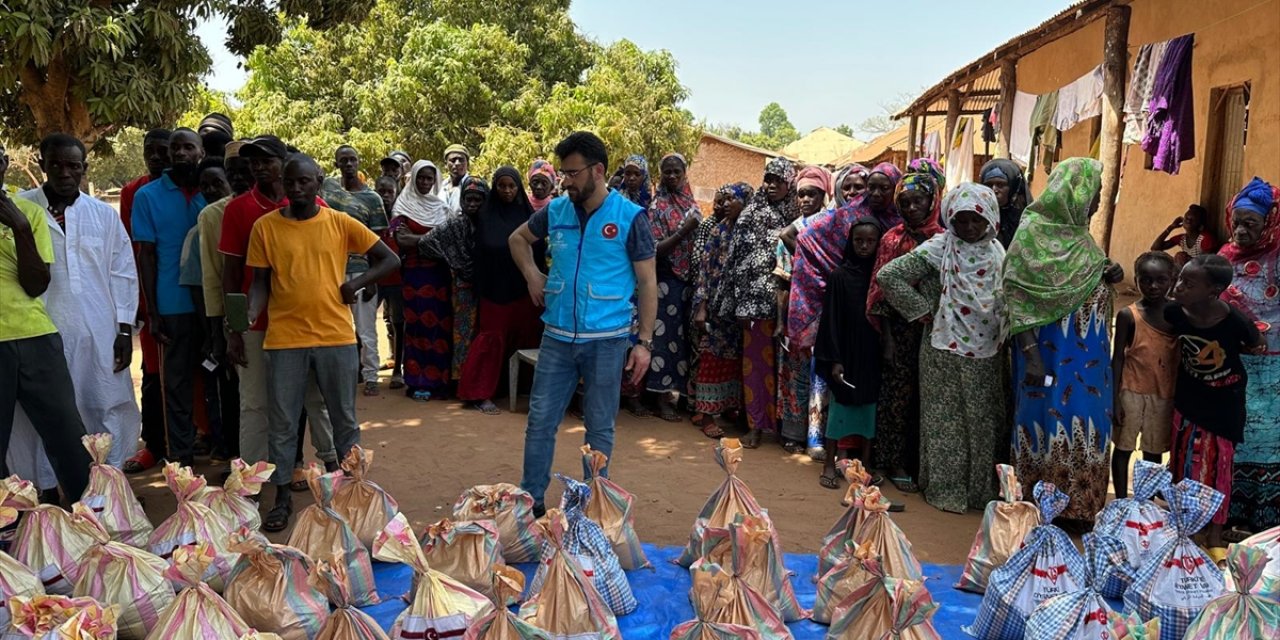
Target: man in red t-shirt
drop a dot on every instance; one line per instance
(266, 155)
(155, 152)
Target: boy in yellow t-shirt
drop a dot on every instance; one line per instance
(299, 255)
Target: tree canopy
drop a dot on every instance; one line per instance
(776, 130)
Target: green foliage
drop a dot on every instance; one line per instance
(776, 130)
(845, 130)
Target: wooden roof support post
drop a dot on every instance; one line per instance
(912, 142)
(1008, 87)
(1115, 66)
(953, 117)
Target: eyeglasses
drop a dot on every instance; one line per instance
(573, 173)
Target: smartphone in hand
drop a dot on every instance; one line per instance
(237, 312)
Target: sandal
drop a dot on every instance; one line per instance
(905, 484)
(141, 461)
(817, 454)
(636, 408)
(701, 420)
(792, 446)
(397, 382)
(420, 396)
(751, 440)
(278, 517)
(831, 481)
(487, 407)
(670, 414)
(712, 430)
(371, 388)
(299, 480)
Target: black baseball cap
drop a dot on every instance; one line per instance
(265, 146)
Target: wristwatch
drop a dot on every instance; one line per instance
(647, 344)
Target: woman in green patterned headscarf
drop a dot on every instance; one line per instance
(1059, 307)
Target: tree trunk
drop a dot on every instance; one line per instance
(1114, 68)
(53, 107)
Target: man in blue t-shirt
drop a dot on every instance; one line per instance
(602, 253)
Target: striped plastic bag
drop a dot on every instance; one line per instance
(714, 596)
(500, 623)
(49, 541)
(835, 542)
(269, 587)
(439, 606)
(1005, 524)
(511, 509)
(254, 634)
(611, 506)
(725, 503)
(1131, 627)
(1138, 523)
(115, 573)
(231, 501)
(16, 579)
(466, 552)
(1178, 580)
(887, 608)
(361, 501)
(852, 571)
(1268, 541)
(1244, 612)
(567, 605)
(886, 539)
(736, 603)
(586, 542)
(111, 496)
(198, 611)
(321, 532)
(193, 523)
(749, 549)
(1047, 565)
(51, 617)
(1083, 613)
(345, 622)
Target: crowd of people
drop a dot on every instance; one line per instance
(931, 330)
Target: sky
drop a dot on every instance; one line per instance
(826, 62)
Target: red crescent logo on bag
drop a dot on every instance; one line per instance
(1186, 563)
(1051, 573)
(610, 231)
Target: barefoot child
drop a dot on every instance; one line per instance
(1209, 400)
(1144, 365)
(847, 349)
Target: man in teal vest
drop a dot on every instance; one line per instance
(602, 252)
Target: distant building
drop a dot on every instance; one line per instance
(822, 146)
(722, 160)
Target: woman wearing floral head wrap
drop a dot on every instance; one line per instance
(951, 284)
(1254, 252)
(919, 199)
(748, 294)
(717, 377)
(850, 182)
(542, 183)
(1059, 313)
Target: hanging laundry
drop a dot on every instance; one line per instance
(960, 159)
(1142, 80)
(1044, 137)
(1171, 130)
(933, 146)
(1020, 127)
(989, 125)
(1080, 100)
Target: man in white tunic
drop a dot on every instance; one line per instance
(93, 301)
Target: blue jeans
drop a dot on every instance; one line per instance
(598, 363)
(335, 370)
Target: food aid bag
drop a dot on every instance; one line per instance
(50, 617)
(50, 541)
(111, 497)
(567, 605)
(345, 622)
(726, 502)
(269, 587)
(511, 509)
(1047, 565)
(835, 542)
(1131, 627)
(886, 539)
(439, 606)
(321, 532)
(231, 501)
(193, 523)
(254, 634)
(886, 608)
(852, 571)
(1268, 541)
(749, 549)
(1244, 611)
(1179, 579)
(1140, 524)
(714, 597)
(360, 500)
(500, 623)
(1082, 614)
(736, 603)
(16, 579)
(1005, 524)
(115, 573)
(586, 542)
(198, 611)
(466, 552)
(611, 507)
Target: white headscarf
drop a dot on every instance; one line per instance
(969, 320)
(428, 210)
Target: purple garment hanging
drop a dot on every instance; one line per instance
(1171, 128)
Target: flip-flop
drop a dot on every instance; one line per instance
(829, 482)
(299, 481)
(670, 415)
(904, 484)
(712, 430)
(397, 382)
(487, 407)
(793, 446)
(278, 518)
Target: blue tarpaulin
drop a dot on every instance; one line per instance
(663, 593)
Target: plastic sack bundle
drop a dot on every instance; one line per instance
(748, 548)
(611, 507)
(843, 579)
(254, 634)
(49, 540)
(1005, 524)
(1131, 627)
(500, 623)
(886, 609)
(46, 617)
(511, 509)
(835, 542)
(1138, 523)
(231, 501)
(713, 596)
(1047, 565)
(345, 622)
(1243, 612)
(1082, 613)
(270, 590)
(886, 539)
(321, 532)
(193, 523)
(1268, 541)
(361, 501)
(736, 603)
(466, 552)
(197, 612)
(111, 497)
(726, 502)
(567, 605)
(591, 551)
(439, 607)
(1179, 579)
(128, 577)
(16, 579)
